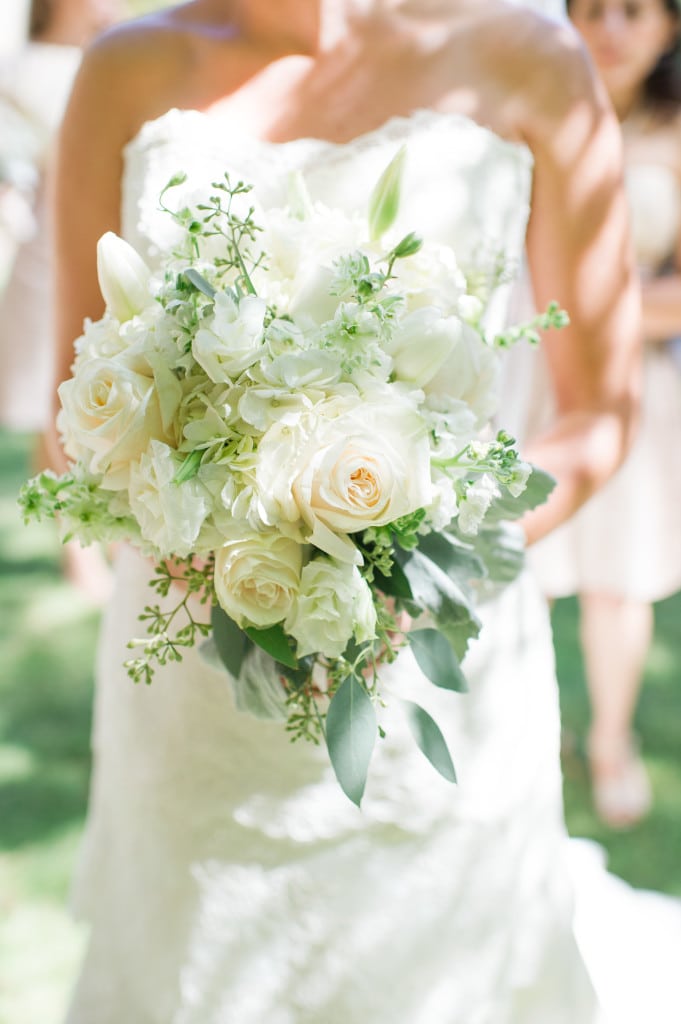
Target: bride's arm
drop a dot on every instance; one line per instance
(121, 83)
(580, 254)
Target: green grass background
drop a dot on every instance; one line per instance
(47, 639)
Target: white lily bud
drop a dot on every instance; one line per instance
(123, 277)
(385, 198)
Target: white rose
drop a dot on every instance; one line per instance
(333, 605)
(109, 414)
(471, 374)
(233, 339)
(421, 342)
(257, 578)
(349, 465)
(170, 515)
(124, 277)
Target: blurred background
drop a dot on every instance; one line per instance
(47, 639)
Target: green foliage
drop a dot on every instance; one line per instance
(430, 740)
(554, 317)
(165, 641)
(351, 731)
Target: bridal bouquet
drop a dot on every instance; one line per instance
(292, 418)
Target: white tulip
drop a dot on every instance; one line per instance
(124, 277)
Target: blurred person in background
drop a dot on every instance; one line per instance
(622, 551)
(35, 83)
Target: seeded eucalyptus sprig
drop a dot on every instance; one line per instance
(217, 218)
(164, 642)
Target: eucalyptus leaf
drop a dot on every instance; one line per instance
(351, 730)
(199, 282)
(275, 641)
(230, 641)
(430, 740)
(437, 660)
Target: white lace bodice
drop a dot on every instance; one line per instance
(463, 185)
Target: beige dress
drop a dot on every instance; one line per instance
(627, 539)
(34, 88)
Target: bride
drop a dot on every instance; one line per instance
(225, 877)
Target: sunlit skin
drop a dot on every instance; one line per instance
(75, 22)
(338, 68)
(626, 38)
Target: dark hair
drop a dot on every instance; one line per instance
(40, 18)
(662, 87)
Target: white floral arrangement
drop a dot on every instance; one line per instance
(292, 418)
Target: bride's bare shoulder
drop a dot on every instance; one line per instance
(156, 61)
(542, 64)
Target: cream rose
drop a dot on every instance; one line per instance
(351, 464)
(257, 578)
(333, 605)
(110, 413)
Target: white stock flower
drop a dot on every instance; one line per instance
(333, 605)
(473, 507)
(257, 578)
(109, 414)
(233, 338)
(124, 277)
(521, 474)
(471, 374)
(351, 464)
(421, 342)
(170, 515)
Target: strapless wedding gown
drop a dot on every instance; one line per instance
(225, 877)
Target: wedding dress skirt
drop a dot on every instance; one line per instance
(225, 877)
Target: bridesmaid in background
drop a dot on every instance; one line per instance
(35, 83)
(622, 551)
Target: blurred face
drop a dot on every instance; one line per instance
(626, 38)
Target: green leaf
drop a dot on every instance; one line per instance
(199, 282)
(231, 642)
(450, 604)
(502, 548)
(395, 585)
(275, 641)
(436, 659)
(454, 556)
(351, 730)
(430, 740)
